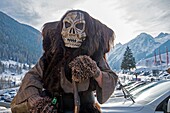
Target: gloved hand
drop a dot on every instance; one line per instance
(83, 67)
(40, 104)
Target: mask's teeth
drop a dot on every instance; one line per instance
(71, 40)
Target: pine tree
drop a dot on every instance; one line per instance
(1, 67)
(128, 61)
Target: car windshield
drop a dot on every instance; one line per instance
(143, 87)
(151, 92)
(138, 86)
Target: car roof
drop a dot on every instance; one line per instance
(153, 91)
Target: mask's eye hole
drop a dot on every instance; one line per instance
(67, 24)
(80, 26)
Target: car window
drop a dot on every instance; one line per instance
(133, 92)
(163, 105)
(138, 86)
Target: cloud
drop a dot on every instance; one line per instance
(20, 10)
(35, 12)
(127, 18)
(153, 15)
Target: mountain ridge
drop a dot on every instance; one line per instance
(142, 46)
(19, 42)
(22, 43)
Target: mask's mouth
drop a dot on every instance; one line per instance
(72, 42)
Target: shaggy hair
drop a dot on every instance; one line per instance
(97, 43)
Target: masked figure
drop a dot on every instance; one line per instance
(71, 68)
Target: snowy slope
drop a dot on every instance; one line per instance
(142, 46)
(19, 42)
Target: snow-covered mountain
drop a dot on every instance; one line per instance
(143, 46)
(19, 42)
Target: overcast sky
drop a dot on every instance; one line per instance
(128, 18)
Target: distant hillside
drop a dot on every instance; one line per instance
(161, 49)
(19, 42)
(143, 46)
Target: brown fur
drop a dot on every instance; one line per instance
(97, 43)
(83, 68)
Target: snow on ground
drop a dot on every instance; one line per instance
(11, 62)
(2, 108)
(13, 76)
(5, 110)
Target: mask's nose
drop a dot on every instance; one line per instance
(72, 31)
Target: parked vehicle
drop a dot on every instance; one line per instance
(151, 99)
(2, 108)
(5, 96)
(164, 76)
(12, 93)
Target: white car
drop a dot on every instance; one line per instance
(152, 99)
(2, 108)
(5, 96)
(12, 93)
